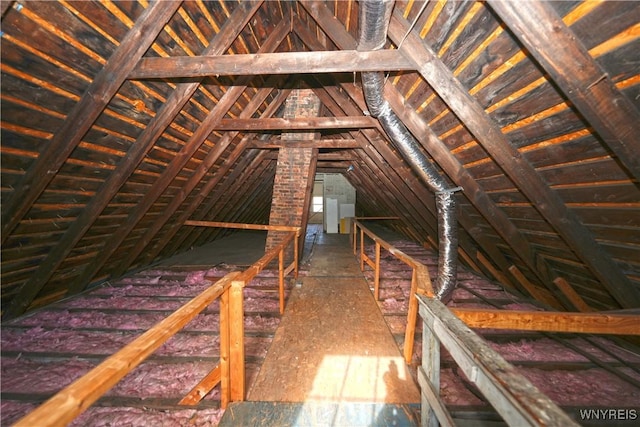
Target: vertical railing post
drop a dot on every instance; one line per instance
(225, 386)
(412, 318)
(361, 249)
(430, 372)
(376, 279)
(281, 279)
(236, 341)
(295, 253)
(355, 237)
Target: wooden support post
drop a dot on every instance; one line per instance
(225, 385)
(281, 279)
(361, 249)
(376, 279)
(355, 237)
(412, 318)
(429, 373)
(571, 294)
(296, 253)
(236, 342)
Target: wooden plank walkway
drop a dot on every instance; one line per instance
(333, 344)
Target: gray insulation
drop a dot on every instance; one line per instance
(374, 23)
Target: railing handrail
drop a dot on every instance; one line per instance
(71, 401)
(513, 396)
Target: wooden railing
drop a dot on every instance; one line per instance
(513, 396)
(420, 279)
(74, 399)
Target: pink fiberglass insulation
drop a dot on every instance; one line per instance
(94, 319)
(110, 416)
(11, 411)
(64, 340)
(453, 390)
(587, 345)
(123, 303)
(257, 323)
(392, 305)
(593, 387)
(544, 349)
(20, 375)
(168, 289)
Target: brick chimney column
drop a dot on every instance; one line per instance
(295, 172)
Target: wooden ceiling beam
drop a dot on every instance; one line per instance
(578, 75)
(99, 93)
(80, 119)
(489, 135)
(301, 123)
(190, 148)
(338, 61)
(316, 143)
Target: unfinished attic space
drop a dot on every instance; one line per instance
(320, 213)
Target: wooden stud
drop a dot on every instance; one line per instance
(362, 254)
(79, 120)
(578, 75)
(515, 165)
(500, 277)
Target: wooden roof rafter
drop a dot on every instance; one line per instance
(489, 135)
(76, 124)
(100, 92)
(581, 79)
(189, 149)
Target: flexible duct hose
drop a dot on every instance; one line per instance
(374, 23)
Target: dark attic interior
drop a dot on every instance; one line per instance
(327, 213)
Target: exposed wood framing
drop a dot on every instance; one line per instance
(317, 143)
(586, 323)
(488, 134)
(219, 45)
(301, 123)
(581, 79)
(270, 63)
(194, 180)
(514, 397)
(104, 86)
(75, 126)
(442, 155)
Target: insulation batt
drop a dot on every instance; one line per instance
(109, 417)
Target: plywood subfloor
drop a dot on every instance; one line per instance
(333, 343)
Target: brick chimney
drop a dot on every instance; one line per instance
(295, 172)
